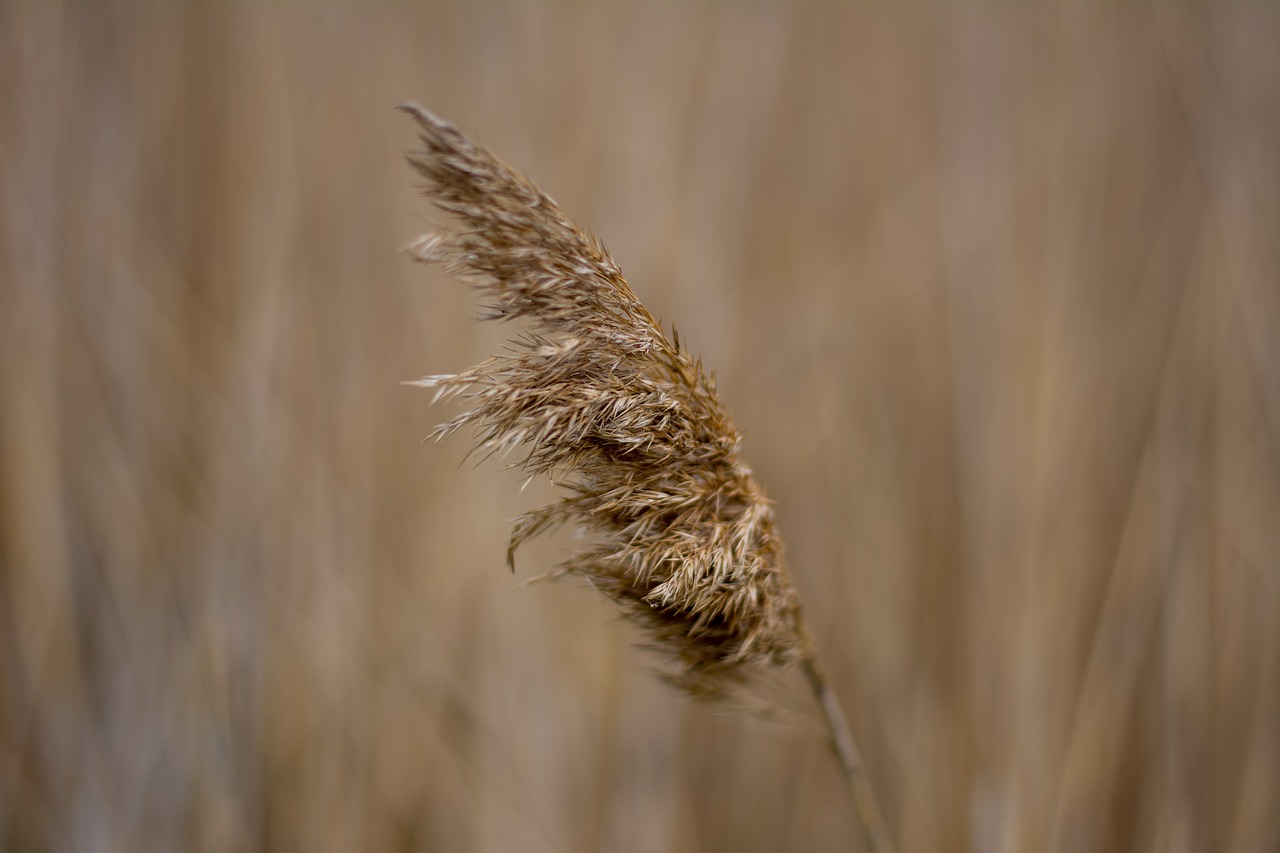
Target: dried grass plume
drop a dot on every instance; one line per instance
(594, 394)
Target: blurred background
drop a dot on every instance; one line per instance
(993, 292)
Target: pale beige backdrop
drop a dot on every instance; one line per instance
(993, 292)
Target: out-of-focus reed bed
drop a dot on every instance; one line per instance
(993, 294)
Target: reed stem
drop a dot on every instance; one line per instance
(846, 751)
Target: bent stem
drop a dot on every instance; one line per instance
(846, 751)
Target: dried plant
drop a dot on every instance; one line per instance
(629, 425)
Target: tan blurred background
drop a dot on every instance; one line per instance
(993, 292)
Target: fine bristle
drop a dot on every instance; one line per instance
(596, 394)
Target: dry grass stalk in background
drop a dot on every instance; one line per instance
(629, 424)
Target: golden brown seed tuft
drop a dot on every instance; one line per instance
(594, 393)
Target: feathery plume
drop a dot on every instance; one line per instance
(595, 395)
(620, 414)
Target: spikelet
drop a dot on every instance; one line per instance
(594, 394)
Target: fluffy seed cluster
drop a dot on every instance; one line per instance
(595, 395)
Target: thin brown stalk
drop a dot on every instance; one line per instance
(846, 751)
(628, 423)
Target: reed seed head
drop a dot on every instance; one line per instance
(594, 394)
